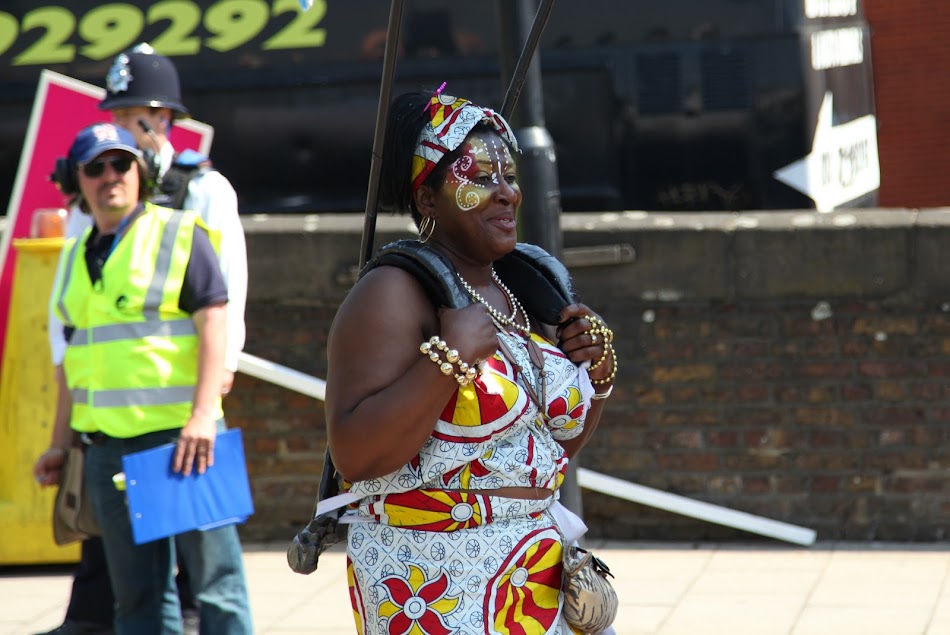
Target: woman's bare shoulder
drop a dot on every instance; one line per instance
(389, 294)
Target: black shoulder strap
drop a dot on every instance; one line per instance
(538, 279)
(434, 271)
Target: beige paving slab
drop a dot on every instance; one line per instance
(759, 582)
(942, 609)
(642, 592)
(752, 558)
(665, 589)
(639, 619)
(864, 620)
(32, 600)
(287, 602)
(912, 579)
(939, 627)
(733, 614)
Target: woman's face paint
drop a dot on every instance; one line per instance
(484, 168)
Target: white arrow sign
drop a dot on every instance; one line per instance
(843, 163)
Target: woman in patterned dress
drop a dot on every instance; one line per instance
(453, 427)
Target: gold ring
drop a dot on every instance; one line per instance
(593, 338)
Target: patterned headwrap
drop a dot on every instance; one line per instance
(450, 121)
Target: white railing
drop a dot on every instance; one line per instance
(316, 388)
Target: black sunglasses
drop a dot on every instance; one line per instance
(95, 169)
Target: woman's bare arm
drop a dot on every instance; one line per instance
(384, 396)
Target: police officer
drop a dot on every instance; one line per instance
(144, 96)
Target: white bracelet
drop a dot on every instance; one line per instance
(603, 395)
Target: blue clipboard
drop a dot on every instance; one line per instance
(164, 503)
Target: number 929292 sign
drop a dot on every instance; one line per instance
(54, 34)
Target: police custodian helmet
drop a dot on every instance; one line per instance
(141, 77)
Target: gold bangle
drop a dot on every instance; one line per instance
(467, 372)
(603, 395)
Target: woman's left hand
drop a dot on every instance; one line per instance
(583, 336)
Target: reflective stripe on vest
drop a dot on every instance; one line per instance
(132, 331)
(153, 297)
(67, 273)
(134, 397)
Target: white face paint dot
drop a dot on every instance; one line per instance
(414, 608)
(462, 512)
(519, 577)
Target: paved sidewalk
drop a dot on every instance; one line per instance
(665, 589)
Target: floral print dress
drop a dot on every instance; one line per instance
(426, 559)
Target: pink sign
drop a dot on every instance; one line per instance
(63, 106)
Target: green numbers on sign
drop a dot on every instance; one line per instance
(51, 48)
(183, 18)
(300, 33)
(8, 31)
(109, 28)
(234, 23)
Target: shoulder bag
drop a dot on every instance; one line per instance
(590, 602)
(73, 518)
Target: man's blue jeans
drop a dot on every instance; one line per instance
(143, 576)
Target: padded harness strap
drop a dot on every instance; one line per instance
(538, 279)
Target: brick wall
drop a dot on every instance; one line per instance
(911, 60)
(792, 365)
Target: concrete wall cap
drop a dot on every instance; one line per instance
(641, 221)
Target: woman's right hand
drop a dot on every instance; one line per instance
(470, 331)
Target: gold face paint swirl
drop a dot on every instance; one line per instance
(484, 164)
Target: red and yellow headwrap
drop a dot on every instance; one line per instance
(450, 121)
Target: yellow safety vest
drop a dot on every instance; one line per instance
(132, 362)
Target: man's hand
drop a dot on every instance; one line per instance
(196, 444)
(48, 468)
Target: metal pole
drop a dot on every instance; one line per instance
(382, 113)
(539, 216)
(517, 77)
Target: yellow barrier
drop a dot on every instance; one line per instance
(27, 408)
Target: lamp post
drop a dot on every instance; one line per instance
(540, 213)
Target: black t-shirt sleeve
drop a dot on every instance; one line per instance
(203, 285)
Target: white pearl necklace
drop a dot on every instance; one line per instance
(497, 316)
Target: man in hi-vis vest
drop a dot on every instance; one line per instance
(143, 302)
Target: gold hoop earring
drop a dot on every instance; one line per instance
(428, 224)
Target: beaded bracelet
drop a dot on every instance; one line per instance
(598, 326)
(613, 371)
(608, 348)
(467, 373)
